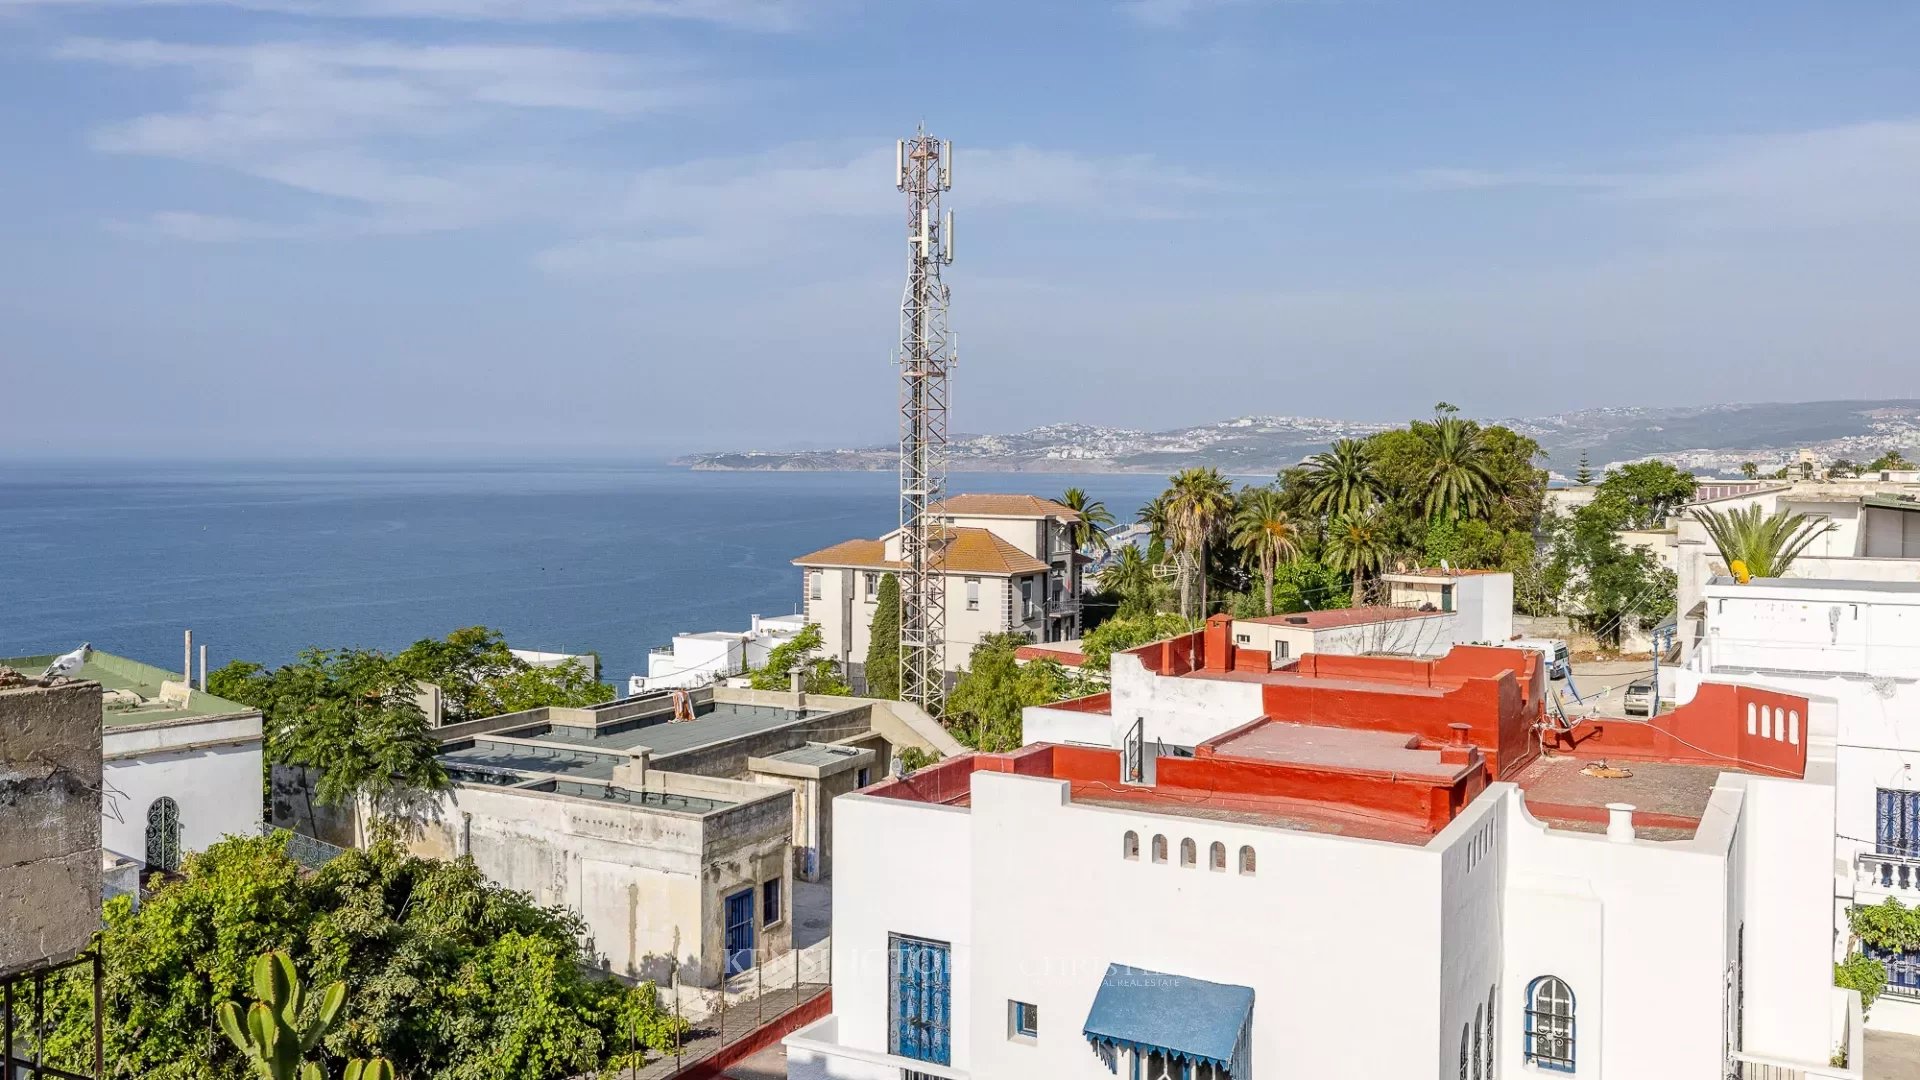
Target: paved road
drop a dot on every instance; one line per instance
(768, 1064)
(1889, 1056)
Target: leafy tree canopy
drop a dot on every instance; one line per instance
(1609, 586)
(984, 709)
(481, 677)
(820, 674)
(351, 714)
(1642, 495)
(448, 976)
(1120, 634)
(883, 642)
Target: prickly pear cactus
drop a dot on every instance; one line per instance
(273, 1035)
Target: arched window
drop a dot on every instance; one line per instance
(1188, 853)
(1476, 1042)
(1493, 1008)
(1130, 847)
(1159, 848)
(1550, 1024)
(163, 835)
(1466, 1032)
(1217, 855)
(1246, 860)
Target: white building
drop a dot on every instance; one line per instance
(1244, 872)
(696, 659)
(1853, 649)
(1875, 537)
(1427, 612)
(181, 768)
(1008, 562)
(534, 658)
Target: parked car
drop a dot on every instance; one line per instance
(1643, 698)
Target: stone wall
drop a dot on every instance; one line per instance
(49, 823)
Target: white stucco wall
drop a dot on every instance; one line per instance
(1179, 712)
(911, 874)
(1638, 933)
(212, 770)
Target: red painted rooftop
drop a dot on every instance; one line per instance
(1392, 748)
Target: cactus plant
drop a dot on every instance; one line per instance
(274, 1036)
(361, 1069)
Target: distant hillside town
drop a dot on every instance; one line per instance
(1705, 439)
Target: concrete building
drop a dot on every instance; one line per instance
(50, 804)
(676, 824)
(1852, 648)
(1427, 612)
(1354, 867)
(696, 659)
(1009, 565)
(535, 658)
(181, 767)
(1875, 537)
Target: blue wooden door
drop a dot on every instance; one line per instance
(921, 990)
(740, 931)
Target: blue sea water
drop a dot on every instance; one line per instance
(263, 560)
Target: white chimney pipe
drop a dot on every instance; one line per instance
(1620, 822)
(186, 660)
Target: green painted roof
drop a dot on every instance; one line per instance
(138, 699)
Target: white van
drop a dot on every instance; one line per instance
(1559, 665)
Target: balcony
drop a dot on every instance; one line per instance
(817, 1051)
(1898, 874)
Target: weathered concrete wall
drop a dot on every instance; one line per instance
(730, 758)
(901, 722)
(49, 823)
(650, 883)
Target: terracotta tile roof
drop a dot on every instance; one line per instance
(848, 553)
(1439, 572)
(1004, 506)
(968, 551)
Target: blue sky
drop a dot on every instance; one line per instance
(371, 226)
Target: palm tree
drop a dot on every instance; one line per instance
(1461, 474)
(1091, 530)
(1131, 577)
(1262, 530)
(1342, 479)
(1157, 518)
(1198, 500)
(1358, 544)
(1750, 470)
(1766, 545)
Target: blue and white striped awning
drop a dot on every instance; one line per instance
(1186, 1019)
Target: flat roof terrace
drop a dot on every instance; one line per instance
(713, 723)
(1572, 793)
(131, 691)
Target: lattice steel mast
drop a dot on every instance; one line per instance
(923, 168)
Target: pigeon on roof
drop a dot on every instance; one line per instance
(67, 666)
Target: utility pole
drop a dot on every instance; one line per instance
(923, 168)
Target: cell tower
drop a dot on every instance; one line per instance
(923, 168)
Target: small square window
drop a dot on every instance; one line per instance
(770, 902)
(1023, 1020)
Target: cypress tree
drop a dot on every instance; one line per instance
(883, 643)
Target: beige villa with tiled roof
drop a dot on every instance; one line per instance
(1009, 565)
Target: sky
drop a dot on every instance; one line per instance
(361, 227)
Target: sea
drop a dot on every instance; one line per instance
(263, 560)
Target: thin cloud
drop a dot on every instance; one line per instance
(1853, 174)
(759, 15)
(406, 138)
